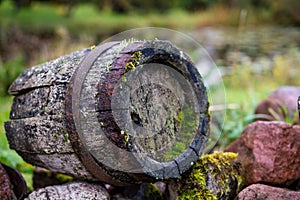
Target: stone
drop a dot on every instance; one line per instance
(281, 104)
(5, 186)
(161, 186)
(144, 191)
(12, 183)
(70, 191)
(265, 192)
(214, 176)
(43, 178)
(148, 191)
(269, 153)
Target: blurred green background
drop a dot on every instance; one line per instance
(255, 43)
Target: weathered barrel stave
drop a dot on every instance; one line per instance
(37, 126)
(65, 163)
(55, 72)
(43, 101)
(44, 141)
(38, 134)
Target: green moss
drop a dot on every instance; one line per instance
(198, 194)
(107, 67)
(152, 192)
(186, 122)
(66, 136)
(126, 137)
(124, 79)
(93, 47)
(212, 177)
(136, 56)
(63, 178)
(194, 186)
(129, 66)
(134, 61)
(179, 118)
(222, 166)
(154, 41)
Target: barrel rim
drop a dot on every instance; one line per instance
(196, 147)
(85, 156)
(73, 92)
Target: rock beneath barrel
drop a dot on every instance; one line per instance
(70, 191)
(122, 113)
(12, 184)
(145, 191)
(5, 186)
(213, 176)
(265, 192)
(269, 153)
(43, 178)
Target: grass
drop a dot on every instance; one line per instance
(246, 89)
(8, 73)
(85, 18)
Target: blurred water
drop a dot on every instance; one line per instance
(251, 46)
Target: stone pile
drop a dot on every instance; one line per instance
(270, 155)
(269, 151)
(214, 176)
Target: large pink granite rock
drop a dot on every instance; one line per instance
(265, 192)
(269, 153)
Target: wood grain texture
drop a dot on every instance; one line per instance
(54, 72)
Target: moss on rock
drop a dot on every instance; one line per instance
(152, 192)
(213, 176)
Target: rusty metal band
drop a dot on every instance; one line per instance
(73, 116)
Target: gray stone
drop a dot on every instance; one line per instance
(71, 191)
(265, 192)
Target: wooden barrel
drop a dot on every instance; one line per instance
(123, 113)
